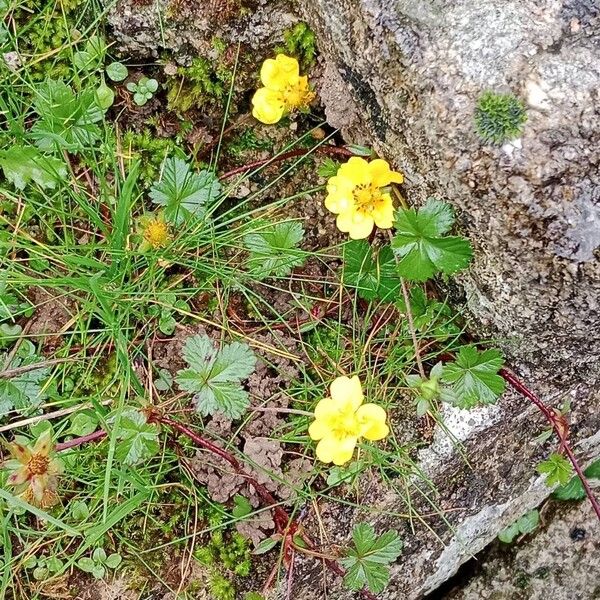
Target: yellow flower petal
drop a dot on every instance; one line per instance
(383, 213)
(356, 170)
(43, 445)
(268, 106)
(381, 175)
(336, 450)
(347, 389)
(339, 203)
(357, 225)
(277, 73)
(318, 429)
(372, 422)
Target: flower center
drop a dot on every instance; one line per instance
(38, 464)
(346, 425)
(297, 95)
(156, 233)
(367, 197)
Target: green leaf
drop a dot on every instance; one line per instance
(215, 376)
(87, 565)
(137, 439)
(104, 96)
(83, 423)
(557, 468)
(242, 507)
(98, 571)
(66, 120)
(117, 71)
(80, 510)
(182, 192)
(574, 490)
(372, 273)
(274, 249)
(529, 521)
(265, 545)
(508, 534)
(99, 555)
(473, 378)
(419, 244)
(328, 168)
(593, 471)
(113, 561)
(23, 393)
(367, 562)
(24, 164)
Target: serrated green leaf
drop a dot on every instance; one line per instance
(529, 521)
(373, 274)
(420, 247)
(473, 378)
(215, 375)
(367, 562)
(182, 192)
(557, 468)
(137, 439)
(273, 251)
(23, 393)
(66, 120)
(573, 490)
(25, 164)
(593, 471)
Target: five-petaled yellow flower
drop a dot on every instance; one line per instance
(359, 196)
(34, 471)
(342, 419)
(284, 90)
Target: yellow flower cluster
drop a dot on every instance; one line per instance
(358, 195)
(34, 472)
(155, 232)
(342, 419)
(284, 90)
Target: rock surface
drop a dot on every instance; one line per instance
(560, 561)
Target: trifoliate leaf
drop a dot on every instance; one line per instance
(274, 250)
(24, 164)
(419, 244)
(557, 468)
(66, 120)
(242, 507)
(473, 378)
(137, 439)
(182, 192)
(215, 376)
(373, 274)
(367, 561)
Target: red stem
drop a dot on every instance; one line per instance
(332, 150)
(78, 441)
(558, 427)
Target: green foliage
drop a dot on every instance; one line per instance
(166, 311)
(24, 164)
(346, 474)
(142, 90)
(182, 192)
(499, 117)
(246, 141)
(300, 42)
(367, 562)
(242, 507)
(373, 273)
(427, 389)
(220, 587)
(92, 56)
(67, 121)
(526, 524)
(137, 440)
(99, 562)
(117, 71)
(273, 249)
(557, 468)
(203, 82)
(43, 567)
(215, 376)
(328, 168)
(473, 377)
(574, 490)
(11, 307)
(23, 392)
(422, 246)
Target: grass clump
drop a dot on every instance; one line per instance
(499, 117)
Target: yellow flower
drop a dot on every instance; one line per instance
(342, 419)
(34, 472)
(284, 90)
(155, 232)
(358, 195)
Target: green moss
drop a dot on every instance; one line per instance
(499, 117)
(247, 140)
(203, 83)
(221, 588)
(300, 42)
(152, 150)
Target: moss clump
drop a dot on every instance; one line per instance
(499, 117)
(152, 150)
(202, 84)
(300, 42)
(247, 140)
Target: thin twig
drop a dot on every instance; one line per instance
(33, 367)
(79, 441)
(332, 150)
(559, 427)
